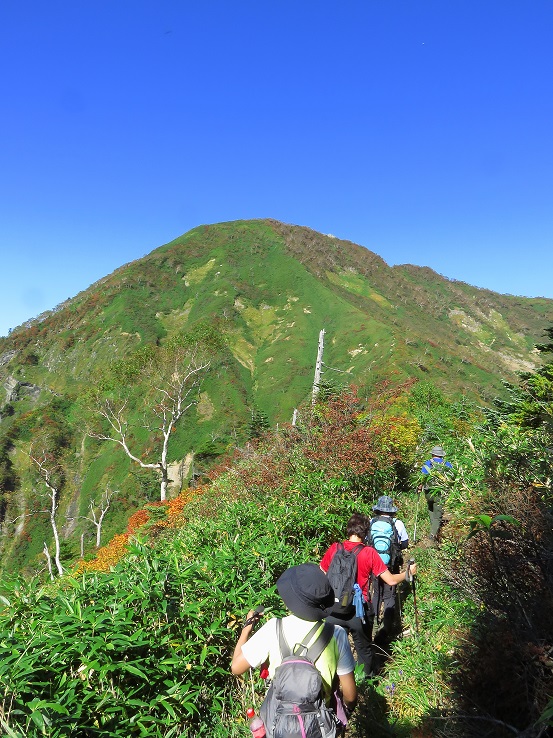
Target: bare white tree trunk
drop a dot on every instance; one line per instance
(48, 560)
(46, 474)
(177, 395)
(318, 367)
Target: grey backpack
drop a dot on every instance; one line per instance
(294, 705)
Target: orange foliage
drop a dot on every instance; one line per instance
(137, 520)
(107, 556)
(175, 507)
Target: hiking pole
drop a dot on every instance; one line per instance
(399, 606)
(256, 617)
(411, 578)
(416, 515)
(253, 620)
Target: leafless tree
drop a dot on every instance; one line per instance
(173, 383)
(48, 469)
(98, 512)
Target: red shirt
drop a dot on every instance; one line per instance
(368, 562)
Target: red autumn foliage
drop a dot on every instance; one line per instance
(350, 435)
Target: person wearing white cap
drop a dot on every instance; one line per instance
(435, 476)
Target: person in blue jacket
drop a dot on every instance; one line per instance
(434, 484)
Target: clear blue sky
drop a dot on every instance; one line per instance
(421, 129)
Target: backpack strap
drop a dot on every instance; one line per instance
(322, 641)
(283, 646)
(311, 651)
(302, 648)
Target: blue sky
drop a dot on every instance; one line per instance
(420, 129)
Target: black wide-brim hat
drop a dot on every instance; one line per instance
(306, 592)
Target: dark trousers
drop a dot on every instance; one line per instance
(436, 512)
(383, 597)
(361, 634)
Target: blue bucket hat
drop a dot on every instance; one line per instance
(385, 504)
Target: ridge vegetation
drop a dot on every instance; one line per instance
(138, 641)
(153, 411)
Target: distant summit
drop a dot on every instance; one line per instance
(267, 288)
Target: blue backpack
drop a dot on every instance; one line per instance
(384, 538)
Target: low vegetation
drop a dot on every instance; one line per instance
(134, 638)
(137, 641)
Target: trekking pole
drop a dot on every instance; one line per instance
(399, 606)
(416, 515)
(411, 578)
(254, 620)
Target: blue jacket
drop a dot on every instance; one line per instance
(427, 466)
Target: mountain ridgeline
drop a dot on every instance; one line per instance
(265, 290)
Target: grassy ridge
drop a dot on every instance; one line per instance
(267, 289)
(144, 649)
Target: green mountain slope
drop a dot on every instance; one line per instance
(267, 289)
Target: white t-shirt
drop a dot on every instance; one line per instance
(263, 645)
(401, 531)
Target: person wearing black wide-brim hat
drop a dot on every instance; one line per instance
(306, 592)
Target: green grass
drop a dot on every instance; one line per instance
(268, 289)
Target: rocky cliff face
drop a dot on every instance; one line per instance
(16, 390)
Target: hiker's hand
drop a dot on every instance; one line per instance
(253, 617)
(410, 571)
(249, 622)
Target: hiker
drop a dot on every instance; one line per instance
(435, 479)
(388, 536)
(307, 594)
(368, 562)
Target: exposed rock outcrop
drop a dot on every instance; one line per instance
(15, 390)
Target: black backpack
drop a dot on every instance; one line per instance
(294, 705)
(383, 537)
(342, 575)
